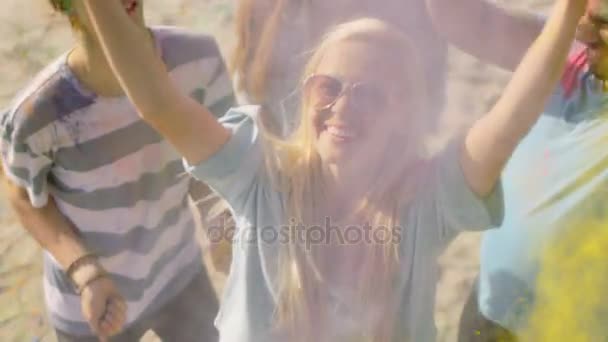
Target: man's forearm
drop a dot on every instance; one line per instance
(485, 30)
(49, 227)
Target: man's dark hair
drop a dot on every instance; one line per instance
(63, 6)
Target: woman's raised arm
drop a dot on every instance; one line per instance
(491, 140)
(130, 51)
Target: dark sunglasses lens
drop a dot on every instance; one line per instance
(323, 90)
(368, 97)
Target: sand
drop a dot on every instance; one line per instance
(31, 36)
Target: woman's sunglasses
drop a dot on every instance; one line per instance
(324, 91)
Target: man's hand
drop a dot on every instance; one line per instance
(220, 232)
(221, 256)
(104, 307)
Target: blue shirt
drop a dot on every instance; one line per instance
(556, 177)
(237, 172)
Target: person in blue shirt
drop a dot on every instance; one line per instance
(553, 186)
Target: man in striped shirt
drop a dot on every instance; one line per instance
(107, 197)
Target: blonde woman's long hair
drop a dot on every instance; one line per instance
(302, 306)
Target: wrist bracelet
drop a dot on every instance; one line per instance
(98, 275)
(75, 265)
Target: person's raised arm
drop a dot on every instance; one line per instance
(490, 142)
(185, 123)
(485, 30)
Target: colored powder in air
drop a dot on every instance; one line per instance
(571, 302)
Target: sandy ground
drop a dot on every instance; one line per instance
(30, 36)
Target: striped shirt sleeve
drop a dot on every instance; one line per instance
(199, 66)
(26, 156)
(219, 94)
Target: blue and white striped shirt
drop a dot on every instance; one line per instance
(122, 186)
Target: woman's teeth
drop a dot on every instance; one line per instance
(340, 132)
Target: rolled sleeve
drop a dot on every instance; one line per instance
(234, 168)
(26, 160)
(460, 208)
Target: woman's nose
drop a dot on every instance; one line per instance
(343, 104)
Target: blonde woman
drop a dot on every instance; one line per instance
(274, 39)
(339, 226)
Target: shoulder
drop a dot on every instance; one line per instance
(241, 114)
(49, 97)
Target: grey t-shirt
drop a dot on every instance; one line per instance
(237, 172)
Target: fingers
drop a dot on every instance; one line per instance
(104, 308)
(121, 304)
(94, 323)
(114, 317)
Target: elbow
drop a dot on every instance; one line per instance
(482, 177)
(484, 186)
